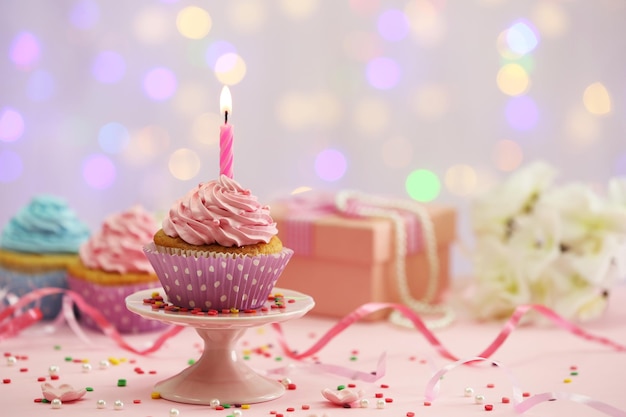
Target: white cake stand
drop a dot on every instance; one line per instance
(219, 373)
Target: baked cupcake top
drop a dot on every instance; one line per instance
(118, 245)
(45, 226)
(220, 212)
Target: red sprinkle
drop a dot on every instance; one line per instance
(291, 386)
(23, 369)
(273, 412)
(54, 377)
(505, 400)
(410, 414)
(384, 386)
(427, 403)
(37, 400)
(526, 394)
(573, 368)
(490, 385)
(388, 400)
(305, 406)
(136, 401)
(7, 354)
(290, 409)
(41, 379)
(152, 372)
(488, 407)
(6, 381)
(219, 407)
(351, 385)
(378, 395)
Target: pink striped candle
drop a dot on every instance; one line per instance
(226, 135)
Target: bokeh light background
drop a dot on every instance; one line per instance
(109, 103)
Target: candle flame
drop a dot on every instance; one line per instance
(226, 101)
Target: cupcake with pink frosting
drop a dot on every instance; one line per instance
(112, 266)
(218, 249)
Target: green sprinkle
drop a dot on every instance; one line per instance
(245, 358)
(340, 387)
(191, 361)
(353, 358)
(573, 373)
(43, 400)
(278, 358)
(57, 347)
(121, 382)
(89, 389)
(226, 405)
(68, 359)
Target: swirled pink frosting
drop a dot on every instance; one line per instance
(118, 246)
(221, 212)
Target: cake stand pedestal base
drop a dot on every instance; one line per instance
(219, 374)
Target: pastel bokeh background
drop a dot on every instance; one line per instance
(110, 103)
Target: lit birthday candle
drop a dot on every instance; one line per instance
(226, 135)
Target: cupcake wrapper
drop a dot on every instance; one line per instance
(216, 280)
(21, 283)
(109, 300)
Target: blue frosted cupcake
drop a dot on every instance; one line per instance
(36, 247)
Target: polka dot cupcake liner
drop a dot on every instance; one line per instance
(21, 283)
(110, 301)
(209, 280)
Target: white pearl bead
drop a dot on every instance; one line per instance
(479, 399)
(174, 412)
(380, 403)
(285, 381)
(237, 413)
(118, 405)
(215, 403)
(53, 370)
(56, 403)
(469, 391)
(104, 364)
(11, 360)
(101, 404)
(364, 403)
(86, 367)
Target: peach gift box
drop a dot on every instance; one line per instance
(344, 261)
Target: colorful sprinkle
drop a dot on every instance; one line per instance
(488, 407)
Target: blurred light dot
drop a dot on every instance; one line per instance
(620, 165)
(230, 69)
(427, 25)
(362, 46)
(461, 179)
(108, 67)
(422, 185)
(526, 62)
(11, 166)
(293, 110)
(145, 144)
(11, 125)
(191, 96)
(25, 51)
(98, 171)
(193, 22)
(522, 38)
(512, 80)
(432, 101)
(247, 16)
(507, 155)
(522, 113)
(371, 116)
(184, 164)
(503, 48)
(397, 152)
(365, 7)
(383, 73)
(330, 165)
(298, 9)
(596, 99)
(152, 25)
(41, 86)
(205, 128)
(160, 84)
(550, 19)
(581, 128)
(113, 137)
(393, 25)
(84, 14)
(216, 49)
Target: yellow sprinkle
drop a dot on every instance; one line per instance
(247, 351)
(245, 406)
(85, 361)
(114, 361)
(123, 359)
(155, 294)
(155, 395)
(279, 295)
(234, 310)
(567, 380)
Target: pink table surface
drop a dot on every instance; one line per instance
(540, 357)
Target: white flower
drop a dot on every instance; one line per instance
(562, 247)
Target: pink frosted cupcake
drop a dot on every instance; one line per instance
(218, 249)
(112, 266)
